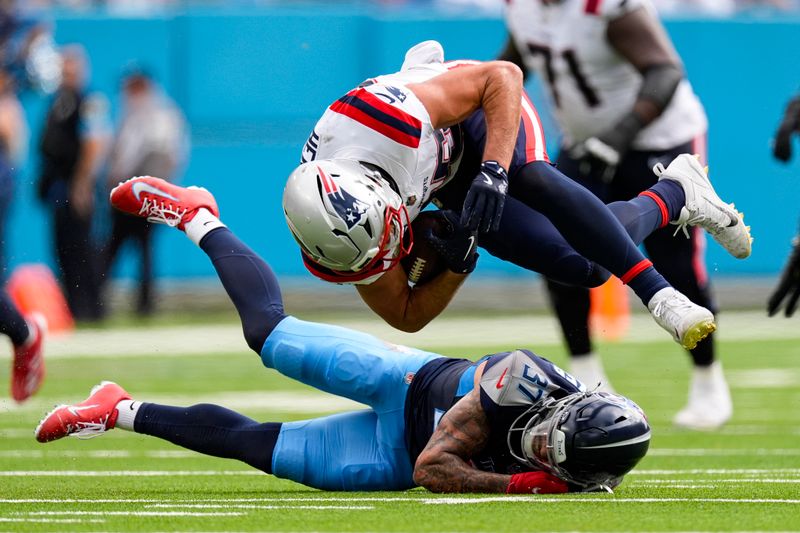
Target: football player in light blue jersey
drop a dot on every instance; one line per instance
(511, 422)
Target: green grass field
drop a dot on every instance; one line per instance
(745, 477)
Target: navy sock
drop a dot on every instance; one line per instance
(12, 323)
(640, 216)
(212, 430)
(703, 353)
(673, 196)
(646, 282)
(250, 283)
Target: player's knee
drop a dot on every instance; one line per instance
(256, 329)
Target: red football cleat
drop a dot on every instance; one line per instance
(161, 202)
(27, 369)
(90, 418)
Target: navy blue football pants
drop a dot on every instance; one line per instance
(556, 227)
(12, 322)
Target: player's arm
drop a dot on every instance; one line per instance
(410, 308)
(443, 466)
(641, 39)
(462, 432)
(494, 86)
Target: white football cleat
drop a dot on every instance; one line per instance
(705, 208)
(709, 406)
(588, 369)
(688, 322)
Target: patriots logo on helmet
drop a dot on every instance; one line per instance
(349, 208)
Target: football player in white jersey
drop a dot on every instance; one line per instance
(618, 91)
(463, 133)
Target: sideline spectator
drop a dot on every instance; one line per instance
(150, 140)
(72, 148)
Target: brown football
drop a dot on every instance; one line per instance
(424, 263)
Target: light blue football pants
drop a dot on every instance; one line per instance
(360, 450)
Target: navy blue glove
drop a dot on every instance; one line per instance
(483, 205)
(788, 289)
(457, 246)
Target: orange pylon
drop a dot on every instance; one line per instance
(609, 312)
(33, 287)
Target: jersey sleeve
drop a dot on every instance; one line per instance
(514, 381)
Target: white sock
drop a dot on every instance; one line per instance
(203, 222)
(127, 410)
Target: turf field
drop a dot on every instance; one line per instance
(743, 478)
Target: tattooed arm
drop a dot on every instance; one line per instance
(463, 431)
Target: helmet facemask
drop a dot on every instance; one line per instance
(535, 440)
(589, 439)
(349, 222)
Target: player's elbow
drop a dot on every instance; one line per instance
(424, 474)
(408, 325)
(507, 72)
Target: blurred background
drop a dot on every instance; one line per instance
(234, 88)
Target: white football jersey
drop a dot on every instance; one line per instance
(591, 86)
(383, 123)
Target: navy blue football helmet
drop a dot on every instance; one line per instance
(588, 439)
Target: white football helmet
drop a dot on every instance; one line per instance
(349, 222)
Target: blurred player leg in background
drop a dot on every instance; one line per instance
(27, 337)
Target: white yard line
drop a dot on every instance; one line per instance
(133, 513)
(126, 473)
(423, 500)
(54, 520)
(609, 499)
(716, 452)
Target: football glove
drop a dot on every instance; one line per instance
(597, 160)
(599, 156)
(457, 246)
(536, 483)
(485, 199)
(782, 145)
(789, 284)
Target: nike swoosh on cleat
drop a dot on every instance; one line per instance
(734, 220)
(471, 245)
(140, 186)
(75, 408)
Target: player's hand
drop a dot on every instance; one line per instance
(536, 483)
(485, 199)
(788, 286)
(782, 145)
(458, 246)
(597, 159)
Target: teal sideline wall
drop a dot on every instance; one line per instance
(253, 82)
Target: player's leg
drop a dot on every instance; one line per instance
(333, 359)
(27, 336)
(348, 451)
(248, 279)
